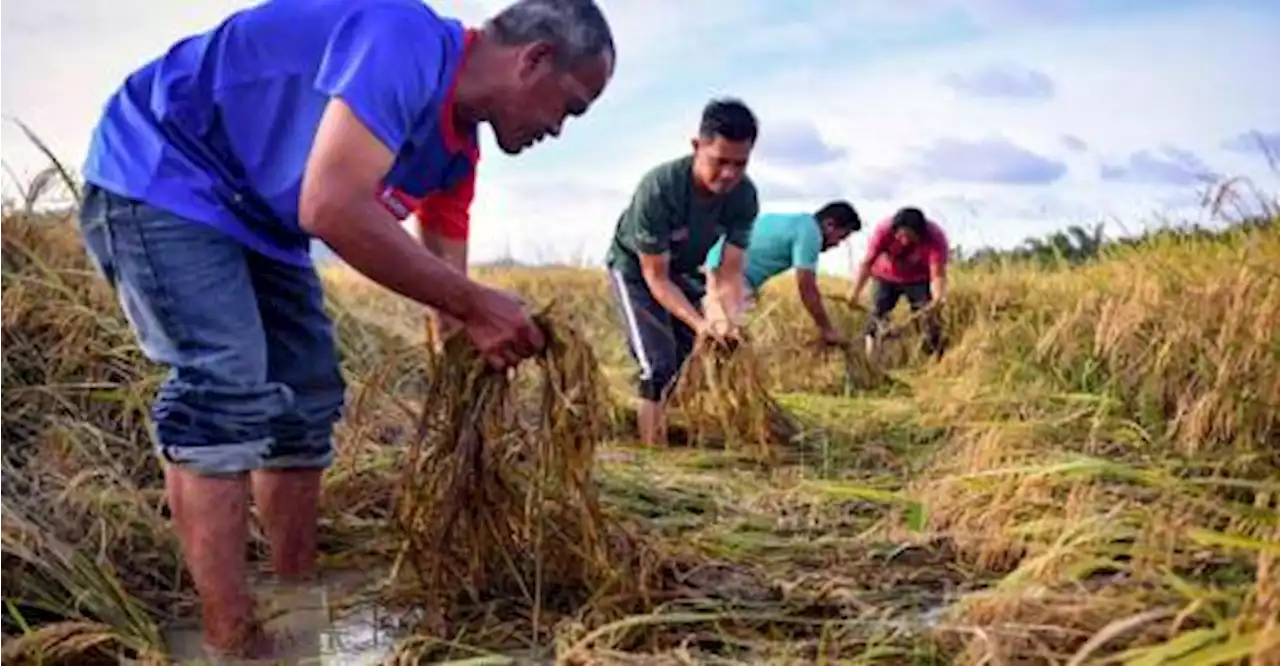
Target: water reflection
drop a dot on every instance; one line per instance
(312, 624)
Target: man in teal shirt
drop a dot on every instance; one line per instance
(780, 241)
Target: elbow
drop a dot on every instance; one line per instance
(319, 216)
(653, 275)
(313, 219)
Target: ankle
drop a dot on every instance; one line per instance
(243, 638)
(291, 574)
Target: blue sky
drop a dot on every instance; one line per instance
(1000, 118)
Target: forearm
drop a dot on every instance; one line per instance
(454, 253)
(732, 280)
(860, 281)
(670, 297)
(812, 299)
(938, 287)
(732, 293)
(385, 253)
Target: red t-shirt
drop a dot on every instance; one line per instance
(892, 262)
(446, 212)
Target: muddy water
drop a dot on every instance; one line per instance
(312, 625)
(320, 625)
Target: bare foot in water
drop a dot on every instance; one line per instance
(256, 647)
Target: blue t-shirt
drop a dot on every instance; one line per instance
(779, 241)
(218, 129)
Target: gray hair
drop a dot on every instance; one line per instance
(577, 28)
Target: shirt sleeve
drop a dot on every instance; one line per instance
(448, 213)
(386, 62)
(939, 247)
(743, 216)
(807, 247)
(649, 215)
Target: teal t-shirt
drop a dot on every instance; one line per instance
(779, 241)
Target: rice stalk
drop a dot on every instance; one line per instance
(720, 393)
(498, 503)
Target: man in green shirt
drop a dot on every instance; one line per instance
(781, 241)
(679, 210)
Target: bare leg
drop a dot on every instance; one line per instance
(211, 516)
(653, 423)
(288, 503)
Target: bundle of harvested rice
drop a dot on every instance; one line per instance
(891, 348)
(720, 393)
(498, 503)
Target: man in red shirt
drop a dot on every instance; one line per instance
(907, 255)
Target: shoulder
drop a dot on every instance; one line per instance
(745, 199)
(409, 27)
(414, 10)
(663, 182)
(805, 226)
(416, 13)
(670, 173)
(881, 229)
(938, 233)
(746, 191)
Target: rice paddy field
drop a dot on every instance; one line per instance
(1090, 475)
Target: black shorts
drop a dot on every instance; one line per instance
(658, 340)
(885, 296)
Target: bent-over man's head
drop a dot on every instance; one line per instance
(554, 58)
(838, 220)
(723, 146)
(908, 226)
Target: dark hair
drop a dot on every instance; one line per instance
(910, 218)
(577, 28)
(728, 118)
(843, 214)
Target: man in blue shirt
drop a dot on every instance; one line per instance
(214, 165)
(781, 241)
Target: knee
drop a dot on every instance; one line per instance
(655, 384)
(317, 405)
(322, 401)
(303, 436)
(217, 428)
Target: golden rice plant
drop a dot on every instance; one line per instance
(719, 394)
(497, 501)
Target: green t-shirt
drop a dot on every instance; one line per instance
(666, 215)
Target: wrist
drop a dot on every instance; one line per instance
(468, 304)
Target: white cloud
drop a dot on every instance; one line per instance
(1121, 86)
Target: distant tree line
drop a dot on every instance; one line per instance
(1076, 245)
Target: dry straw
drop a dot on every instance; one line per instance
(722, 396)
(497, 502)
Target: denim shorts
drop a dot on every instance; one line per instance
(254, 380)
